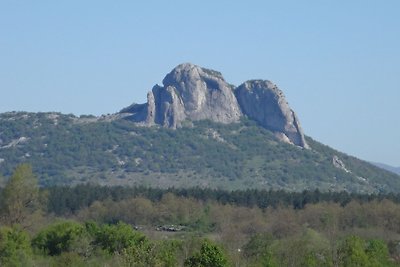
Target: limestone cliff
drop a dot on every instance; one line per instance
(189, 93)
(192, 93)
(263, 102)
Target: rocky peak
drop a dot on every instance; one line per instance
(190, 92)
(204, 93)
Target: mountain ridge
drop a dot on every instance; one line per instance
(387, 167)
(168, 142)
(69, 150)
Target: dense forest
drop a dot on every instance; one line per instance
(90, 225)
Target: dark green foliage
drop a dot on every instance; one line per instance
(378, 253)
(59, 237)
(355, 251)
(15, 248)
(116, 238)
(68, 259)
(210, 255)
(64, 200)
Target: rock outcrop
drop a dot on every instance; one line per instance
(188, 93)
(204, 93)
(192, 93)
(263, 102)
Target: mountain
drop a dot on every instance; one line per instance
(195, 130)
(192, 93)
(387, 167)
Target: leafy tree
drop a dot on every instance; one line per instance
(210, 255)
(355, 251)
(68, 259)
(141, 255)
(20, 196)
(307, 248)
(352, 252)
(163, 253)
(167, 251)
(377, 253)
(15, 249)
(59, 237)
(258, 250)
(116, 238)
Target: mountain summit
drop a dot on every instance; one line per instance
(193, 93)
(196, 130)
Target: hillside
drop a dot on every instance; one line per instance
(64, 149)
(387, 167)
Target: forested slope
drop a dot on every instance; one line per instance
(64, 149)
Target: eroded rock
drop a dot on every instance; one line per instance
(262, 101)
(192, 93)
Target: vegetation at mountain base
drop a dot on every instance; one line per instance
(19, 199)
(68, 200)
(68, 150)
(119, 226)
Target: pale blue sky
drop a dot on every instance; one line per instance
(338, 62)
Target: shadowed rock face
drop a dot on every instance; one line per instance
(192, 93)
(263, 102)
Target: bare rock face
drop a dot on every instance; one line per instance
(263, 102)
(189, 93)
(168, 109)
(192, 93)
(204, 94)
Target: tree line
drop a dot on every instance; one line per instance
(116, 226)
(68, 200)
